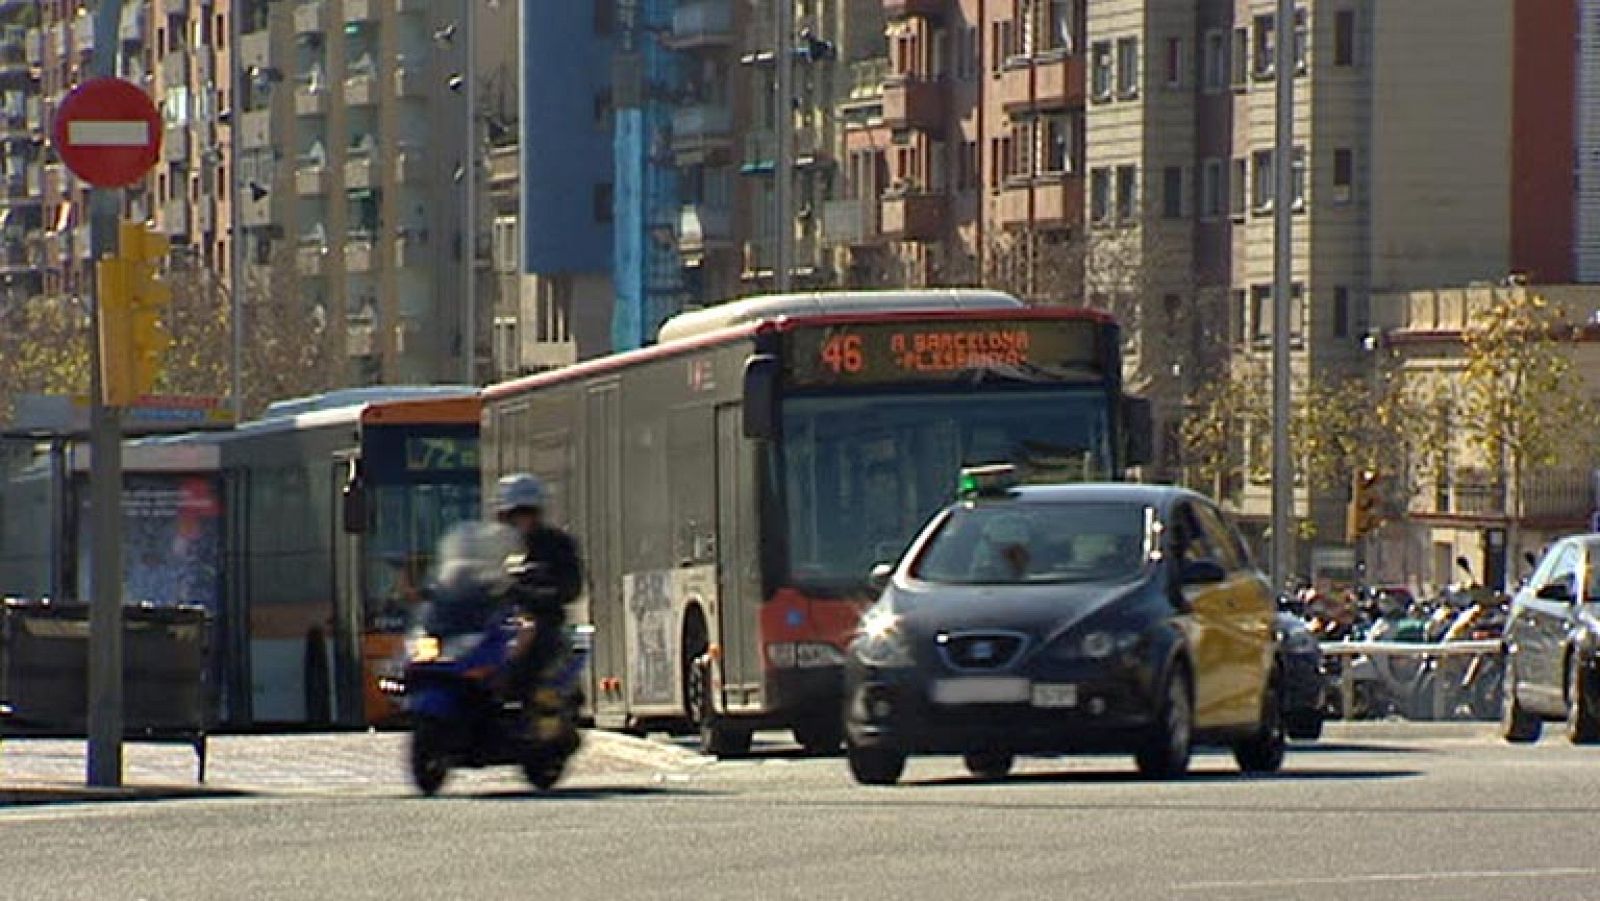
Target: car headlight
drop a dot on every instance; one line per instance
(881, 644)
(1099, 644)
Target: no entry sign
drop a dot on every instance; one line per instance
(108, 132)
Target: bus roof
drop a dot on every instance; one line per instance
(352, 406)
(830, 303)
(358, 397)
(424, 411)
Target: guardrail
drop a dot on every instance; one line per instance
(1418, 650)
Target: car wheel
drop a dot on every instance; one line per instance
(1517, 724)
(876, 766)
(990, 765)
(1165, 754)
(1263, 752)
(1304, 725)
(429, 765)
(820, 736)
(1583, 699)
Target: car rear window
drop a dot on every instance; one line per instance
(1014, 544)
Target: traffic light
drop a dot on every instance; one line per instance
(133, 299)
(1363, 514)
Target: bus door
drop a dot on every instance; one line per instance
(348, 601)
(738, 563)
(602, 534)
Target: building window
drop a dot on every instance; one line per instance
(1241, 57)
(1344, 38)
(1003, 41)
(1172, 192)
(1100, 195)
(1344, 175)
(1299, 179)
(1300, 39)
(1128, 67)
(1239, 188)
(1102, 70)
(1341, 312)
(1240, 318)
(1211, 189)
(1265, 182)
(602, 203)
(1266, 46)
(1059, 16)
(967, 168)
(1127, 193)
(505, 244)
(1057, 136)
(1174, 61)
(1214, 61)
(1262, 310)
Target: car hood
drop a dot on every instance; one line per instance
(1040, 611)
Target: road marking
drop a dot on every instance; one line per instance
(108, 133)
(1378, 878)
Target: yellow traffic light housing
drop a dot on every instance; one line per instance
(1364, 514)
(133, 299)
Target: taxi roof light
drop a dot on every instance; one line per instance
(995, 480)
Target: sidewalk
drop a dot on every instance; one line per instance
(370, 763)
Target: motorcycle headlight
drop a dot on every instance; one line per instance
(1098, 644)
(421, 647)
(881, 644)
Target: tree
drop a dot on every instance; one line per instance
(1519, 395)
(44, 349)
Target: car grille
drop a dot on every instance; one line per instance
(982, 651)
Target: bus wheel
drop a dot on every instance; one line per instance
(717, 738)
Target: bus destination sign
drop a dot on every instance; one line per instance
(1034, 350)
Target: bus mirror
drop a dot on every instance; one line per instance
(761, 397)
(1140, 429)
(353, 505)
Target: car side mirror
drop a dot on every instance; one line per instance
(353, 503)
(1556, 591)
(1202, 572)
(761, 419)
(880, 575)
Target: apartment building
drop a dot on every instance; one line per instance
(21, 150)
(356, 147)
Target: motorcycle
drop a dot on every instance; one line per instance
(453, 684)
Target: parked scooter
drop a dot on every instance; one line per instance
(458, 656)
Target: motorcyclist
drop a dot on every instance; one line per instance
(549, 578)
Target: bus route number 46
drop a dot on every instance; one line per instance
(842, 354)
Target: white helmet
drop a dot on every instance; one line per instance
(519, 491)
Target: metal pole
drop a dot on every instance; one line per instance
(1282, 290)
(236, 206)
(469, 74)
(105, 478)
(783, 135)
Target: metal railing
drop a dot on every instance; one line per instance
(1422, 651)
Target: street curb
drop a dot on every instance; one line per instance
(641, 751)
(34, 796)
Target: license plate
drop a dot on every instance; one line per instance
(980, 691)
(1065, 695)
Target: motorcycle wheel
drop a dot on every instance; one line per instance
(543, 769)
(1484, 694)
(429, 765)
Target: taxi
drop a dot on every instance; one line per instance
(1060, 619)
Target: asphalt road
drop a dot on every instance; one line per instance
(1380, 812)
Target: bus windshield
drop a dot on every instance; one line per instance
(864, 472)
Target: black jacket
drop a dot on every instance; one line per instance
(552, 575)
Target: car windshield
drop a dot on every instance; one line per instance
(865, 473)
(1011, 544)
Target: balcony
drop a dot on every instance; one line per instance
(360, 337)
(357, 12)
(358, 254)
(851, 223)
(311, 259)
(407, 7)
(175, 218)
(255, 213)
(15, 192)
(703, 228)
(913, 103)
(34, 44)
(255, 129)
(361, 89)
(410, 83)
(310, 17)
(914, 217)
(702, 25)
(255, 49)
(14, 67)
(701, 128)
(760, 154)
(1049, 201)
(905, 9)
(411, 249)
(175, 70)
(311, 179)
(409, 166)
(175, 144)
(310, 101)
(360, 170)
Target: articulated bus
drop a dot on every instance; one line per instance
(734, 485)
(306, 533)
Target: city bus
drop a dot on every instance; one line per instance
(733, 485)
(306, 533)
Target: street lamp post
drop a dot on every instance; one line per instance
(1282, 289)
